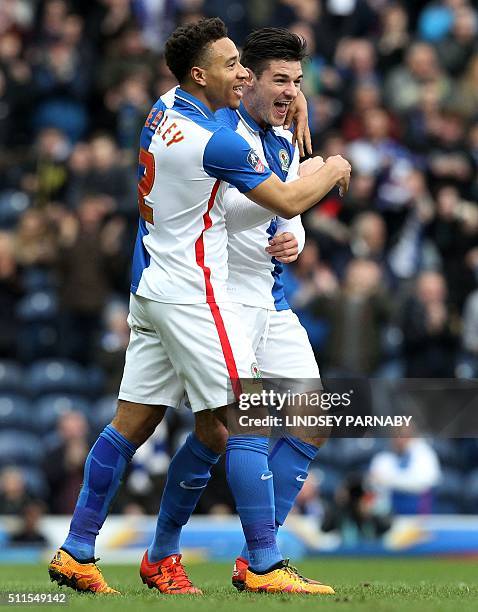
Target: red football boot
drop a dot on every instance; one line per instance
(167, 575)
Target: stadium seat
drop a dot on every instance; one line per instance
(103, 411)
(470, 492)
(11, 377)
(36, 278)
(12, 205)
(38, 306)
(356, 453)
(18, 447)
(38, 340)
(329, 481)
(449, 493)
(56, 376)
(36, 482)
(49, 407)
(448, 451)
(15, 412)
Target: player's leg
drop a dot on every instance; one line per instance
(140, 410)
(285, 352)
(212, 359)
(188, 475)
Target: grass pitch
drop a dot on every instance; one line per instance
(362, 585)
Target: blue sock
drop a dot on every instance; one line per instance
(188, 474)
(289, 461)
(251, 484)
(104, 468)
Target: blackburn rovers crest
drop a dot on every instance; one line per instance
(284, 160)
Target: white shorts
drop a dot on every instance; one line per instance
(200, 349)
(280, 343)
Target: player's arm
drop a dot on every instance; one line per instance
(243, 214)
(298, 114)
(288, 240)
(228, 157)
(291, 199)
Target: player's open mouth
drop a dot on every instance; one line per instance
(281, 107)
(238, 90)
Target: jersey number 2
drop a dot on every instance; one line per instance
(146, 159)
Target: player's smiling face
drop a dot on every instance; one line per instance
(269, 96)
(224, 75)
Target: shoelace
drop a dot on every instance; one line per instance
(180, 577)
(293, 571)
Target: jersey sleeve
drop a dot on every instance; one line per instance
(229, 157)
(294, 226)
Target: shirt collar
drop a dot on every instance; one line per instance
(251, 123)
(191, 100)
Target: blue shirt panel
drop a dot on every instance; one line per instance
(229, 157)
(141, 257)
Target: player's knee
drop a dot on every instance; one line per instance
(214, 436)
(137, 422)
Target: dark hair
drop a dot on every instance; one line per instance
(187, 45)
(267, 44)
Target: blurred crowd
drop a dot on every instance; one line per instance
(386, 285)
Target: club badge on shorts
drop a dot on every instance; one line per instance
(255, 372)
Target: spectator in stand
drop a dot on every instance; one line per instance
(10, 292)
(430, 338)
(14, 495)
(45, 175)
(405, 476)
(101, 172)
(448, 161)
(404, 83)
(65, 460)
(455, 50)
(30, 533)
(394, 37)
(89, 258)
(356, 315)
(466, 100)
(113, 344)
(35, 240)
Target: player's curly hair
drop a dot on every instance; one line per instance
(187, 45)
(267, 44)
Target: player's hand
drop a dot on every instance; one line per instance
(297, 113)
(284, 247)
(343, 169)
(311, 165)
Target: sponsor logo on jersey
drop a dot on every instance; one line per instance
(255, 161)
(284, 160)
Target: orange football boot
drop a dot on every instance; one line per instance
(167, 575)
(83, 577)
(240, 569)
(284, 579)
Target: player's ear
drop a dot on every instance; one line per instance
(250, 78)
(198, 76)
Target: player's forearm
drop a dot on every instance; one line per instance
(302, 194)
(243, 214)
(290, 199)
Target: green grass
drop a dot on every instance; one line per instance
(375, 585)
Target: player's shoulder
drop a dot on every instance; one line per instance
(168, 98)
(227, 117)
(283, 134)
